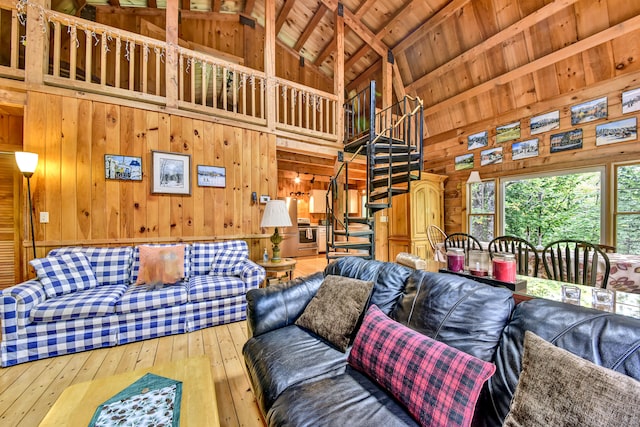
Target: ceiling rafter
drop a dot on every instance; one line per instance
(618, 30)
(364, 8)
(284, 12)
(360, 53)
(248, 7)
(311, 27)
(517, 27)
(326, 52)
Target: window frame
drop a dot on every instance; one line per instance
(615, 213)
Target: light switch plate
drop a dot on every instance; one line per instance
(44, 217)
(384, 219)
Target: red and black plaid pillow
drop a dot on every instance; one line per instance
(437, 383)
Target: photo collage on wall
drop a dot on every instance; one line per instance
(622, 130)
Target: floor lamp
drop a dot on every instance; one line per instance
(27, 163)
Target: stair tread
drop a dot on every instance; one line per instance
(353, 233)
(382, 159)
(351, 245)
(382, 194)
(334, 255)
(396, 169)
(380, 182)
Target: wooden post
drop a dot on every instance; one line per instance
(171, 73)
(37, 48)
(387, 81)
(338, 73)
(270, 61)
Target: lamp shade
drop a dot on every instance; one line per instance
(276, 214)
(474, 177)
(27, 162)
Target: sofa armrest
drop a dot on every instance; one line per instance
(16, 304)
(279, 305)
(252, 274)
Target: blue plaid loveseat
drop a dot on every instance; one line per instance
(106, 308)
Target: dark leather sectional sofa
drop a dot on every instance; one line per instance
(300, 380)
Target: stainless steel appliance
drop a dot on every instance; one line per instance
(289, 245)
(307, 238)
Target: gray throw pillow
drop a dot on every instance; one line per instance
(558, 388)
(335, 310)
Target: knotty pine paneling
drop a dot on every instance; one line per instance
(72, 136)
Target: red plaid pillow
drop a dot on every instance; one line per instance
(438, 384)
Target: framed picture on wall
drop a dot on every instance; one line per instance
(630, 101)
(491, 156)
(211, 176)
(171, 173)
(464, 162)
(126, 168)
(524, 149)
(477, 140)
(508, 132)
(564, 141)
(544, 122)
(619, 131)
(589, 111)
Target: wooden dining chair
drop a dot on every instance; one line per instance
(435, 236)
(462, 240)
(607, 249)
(525, 253)
(575, 261)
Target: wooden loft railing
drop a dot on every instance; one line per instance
(87, 56)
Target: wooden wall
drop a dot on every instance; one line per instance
(73, 135)
(484, 64)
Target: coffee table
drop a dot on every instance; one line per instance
(77, 403)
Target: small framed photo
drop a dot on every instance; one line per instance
(491, 156)
(524, 149)
(477, 140)
(126, 168)
(545, 122)
(564, 141)
(464, 162)
(620, 131)
(171, 173)
(508, 132)
(589, 111)
(630, 101)
(212, 176)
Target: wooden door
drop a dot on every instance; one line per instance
(10, 179)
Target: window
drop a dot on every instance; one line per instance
(545, 208)
(482, 213)
(627, 209)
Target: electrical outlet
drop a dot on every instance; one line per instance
(384, 219)
(44, 217)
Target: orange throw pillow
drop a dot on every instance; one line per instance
(161, 264)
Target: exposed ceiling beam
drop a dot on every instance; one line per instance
(186, 4)
(619, 30)
(529, 21)
(356, 173)
(284, 12)
(306, 159)
(328, 49)
(248, 7)
(311, 27)
(114, 3)
(442, 15)
(215, 5)
(357, 56)
(365, 76)
(406, 7)
(80, 5)
(364, 8)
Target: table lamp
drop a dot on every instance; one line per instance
(27, 163)
(276, 215)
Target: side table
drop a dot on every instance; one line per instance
(286, 266)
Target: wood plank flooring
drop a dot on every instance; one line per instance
(28, 390)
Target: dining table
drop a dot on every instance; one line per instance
(624, 269)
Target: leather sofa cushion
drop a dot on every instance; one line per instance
(286, 357)
(459, 312)
(348, 399)
(388, 278)
(605, 339)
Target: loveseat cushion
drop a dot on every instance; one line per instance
(347, 399)
(606, 339)
(285, 357)
(457, 311)
(148, 297)
(203, 254)
(135, 266)
(64, 274)
(204, 288)
(83, 304)
(228, 262)
(111, 266)
(388, 278)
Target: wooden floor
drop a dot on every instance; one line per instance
(28, 390)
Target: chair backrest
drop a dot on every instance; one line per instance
(576, 261)
(435, 236)
(525, 252)
(462, 240)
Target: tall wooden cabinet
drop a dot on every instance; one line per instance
(412, 213)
